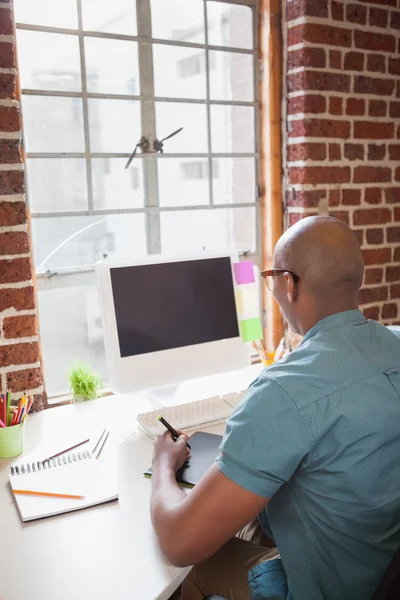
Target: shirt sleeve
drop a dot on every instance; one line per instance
(265, 439)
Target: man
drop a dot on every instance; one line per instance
(314, 448)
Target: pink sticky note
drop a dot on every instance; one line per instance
(244, 272)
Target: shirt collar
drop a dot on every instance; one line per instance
(341, 319)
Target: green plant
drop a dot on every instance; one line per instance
(84, 383)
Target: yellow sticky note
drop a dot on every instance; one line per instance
(247, 302)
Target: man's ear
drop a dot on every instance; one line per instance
(291, 289)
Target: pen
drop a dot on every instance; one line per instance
(172, 431)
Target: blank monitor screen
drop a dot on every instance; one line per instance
(161, 306)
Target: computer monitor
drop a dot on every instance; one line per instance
(167, 320)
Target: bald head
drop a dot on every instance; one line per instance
(325, 253)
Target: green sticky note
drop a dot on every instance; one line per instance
(251, 330)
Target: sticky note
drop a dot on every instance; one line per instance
(247, 301)
(250, 330)
(244, 272)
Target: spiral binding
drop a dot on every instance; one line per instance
(58, 461)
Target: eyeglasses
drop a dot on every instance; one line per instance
(268, 276)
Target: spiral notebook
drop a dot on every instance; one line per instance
(73, 474)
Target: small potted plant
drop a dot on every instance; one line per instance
(84, 383)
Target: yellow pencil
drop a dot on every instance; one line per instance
(47, 494)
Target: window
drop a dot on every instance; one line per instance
(92, 86)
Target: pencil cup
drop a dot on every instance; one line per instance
(12, 441)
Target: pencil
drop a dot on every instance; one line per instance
(47, 494)
(102, 446)
(66, 450)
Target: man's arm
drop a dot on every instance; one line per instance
(190, 528)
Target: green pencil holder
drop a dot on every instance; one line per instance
(12, 440)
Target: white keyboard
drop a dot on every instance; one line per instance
(192, 415)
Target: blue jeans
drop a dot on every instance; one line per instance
(267, 581)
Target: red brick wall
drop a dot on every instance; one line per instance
(343, 121)
(20, 368)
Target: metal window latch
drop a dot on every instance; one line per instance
(144, 146)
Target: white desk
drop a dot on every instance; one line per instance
(104, 552)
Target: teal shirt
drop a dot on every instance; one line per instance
(319, 434)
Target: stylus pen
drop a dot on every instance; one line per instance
(172, 431)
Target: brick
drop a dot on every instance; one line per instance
(395, 291)
(389, 311)
(384, 2)
(351, 197)
(336, 106)
(6, 22)
(320, 34)
(372, 174)
(376, 152)
(397, 254)
(372, 312)
(395, 110)
(10, 152)
(392, 195)
(393, 273)
(395, 20)
(318, 81)
(373, 85)
(393, 235)
(398, 83)
(335, 152)
(355, 107)
(12, 213)
(374, 236)
(377, 256)
(368, 130)
(394, 66)
(307, 152)
(376, 63)
(305, 198)
(372, 216)
(19, 326)
(337, 11)
(379, 42)
(375, 294)
(341, 215)
(396, 214)
(377, 108)
(397, 174)
(306, 8)
(335, 59)
(317, 175)
(359, 233)
(373, 195)
(309, 103)
(27, 379)
(9, 118)
(7, 85)
(334, 197)
(12, 182)
(354, 151)
(356, 13)
(14, 242)
(295, 217)
(13, 271)
(17, 298)
(320, 128)
(7, 56)
(39, 402)
(306, 57)
(378, 17)
(19, 354)
(354, 61)
(373, 276)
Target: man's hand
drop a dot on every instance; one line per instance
(170, 454)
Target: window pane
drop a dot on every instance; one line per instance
(51, 13)
(53, 124)
(114, 125)
(214, 229)
(112, 66)
(232, 129)
(183, 181)
(230, 25)
(231, 76)
(179, 72)
(57, 184)
(178, 20)
(192, 117)
(118, 16)
(49, 61)
(116, 187)
(82, 241)
(234, 180)
(70, 330)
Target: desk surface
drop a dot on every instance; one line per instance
(109, 551)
